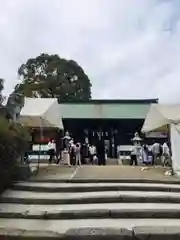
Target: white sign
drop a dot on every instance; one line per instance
(42, 147)
(156, 135)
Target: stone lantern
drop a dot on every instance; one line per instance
(136, 139)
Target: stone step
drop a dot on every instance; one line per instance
(95, 233)
(31, 197)
(165, 180)
(65, 210)
(63, 226)
(88, 211)
(92, 187)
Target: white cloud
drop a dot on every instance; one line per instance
(130, 49)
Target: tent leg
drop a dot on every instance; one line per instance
(41, 137)
(169, 141)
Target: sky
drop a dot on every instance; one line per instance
(128, 48)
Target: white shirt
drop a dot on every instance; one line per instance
(150, 148)
(165, 148)
(51, 145)
(78, 149)
(92, 150)
(72, 147)
(136, 150)
(156, 148)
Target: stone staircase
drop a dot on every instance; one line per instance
(80, 209)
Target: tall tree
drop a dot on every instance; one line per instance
(51, 76)
(14, 104)
(1, 89)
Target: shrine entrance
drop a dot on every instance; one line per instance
(113, 132)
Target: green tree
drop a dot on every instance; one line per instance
(50, 76)
(1, 89)
(14, 141)
(14, 104)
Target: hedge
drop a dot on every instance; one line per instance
(14, 141)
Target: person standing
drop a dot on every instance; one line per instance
(92, 151)
(134, 155)
(166, 154)
(84, 152)
(101, 152)
(78, 154)
(145, 159)
(150, 155)
(157, 152)
(66, 140)
(51, 150)
(72, 152)
(59, 148)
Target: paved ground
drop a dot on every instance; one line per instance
(122, 172)
(114, 172)
(54, 172)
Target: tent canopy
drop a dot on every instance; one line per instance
(41, 112)
(160, 116)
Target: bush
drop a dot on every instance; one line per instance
(14, 141)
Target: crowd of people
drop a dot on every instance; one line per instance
(151, 154)
(77, 153)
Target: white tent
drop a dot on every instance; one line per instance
(158, 118)
(41, 112)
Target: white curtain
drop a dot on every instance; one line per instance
(175, 146)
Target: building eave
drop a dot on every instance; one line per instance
(113, 101)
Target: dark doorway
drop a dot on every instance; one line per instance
(114, 131)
